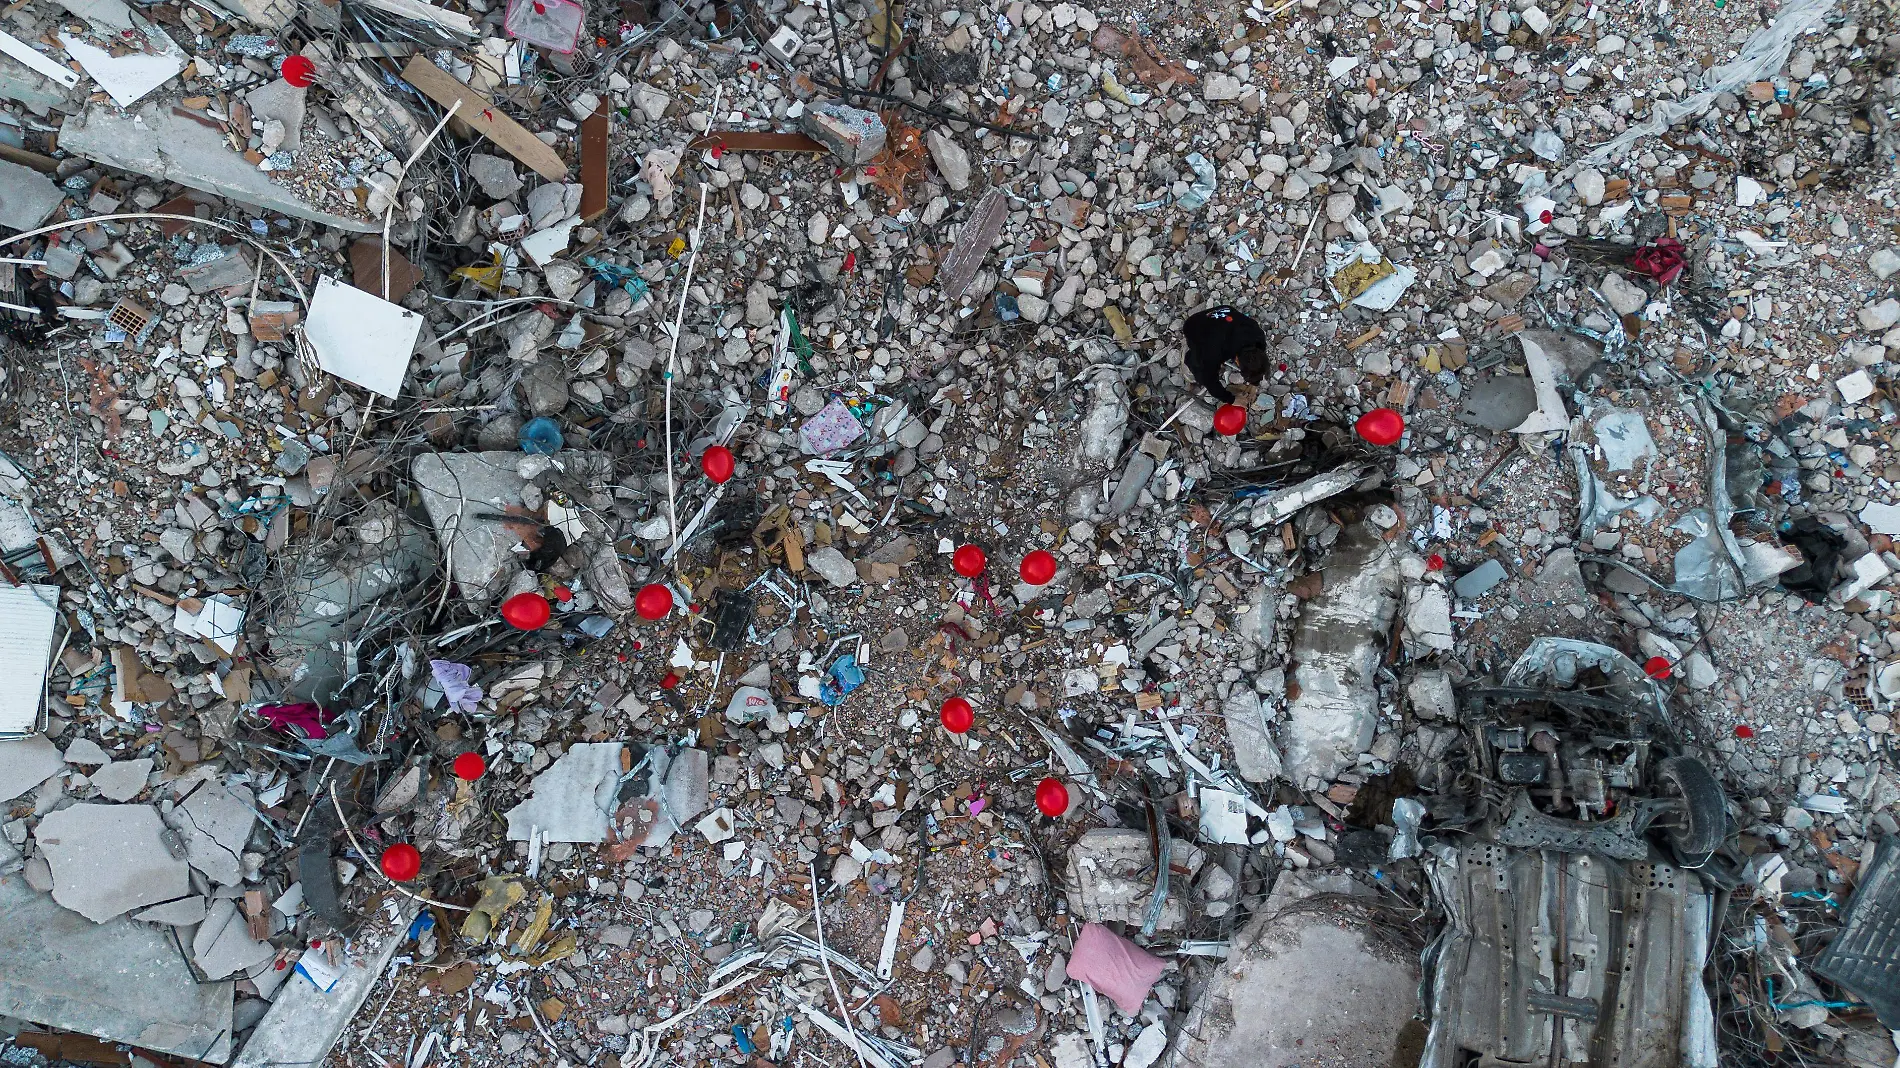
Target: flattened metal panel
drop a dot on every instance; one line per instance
(1560, 959)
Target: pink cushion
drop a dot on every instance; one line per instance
(1114, 966)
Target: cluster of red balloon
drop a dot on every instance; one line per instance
(1380, 426)
(1037, 568)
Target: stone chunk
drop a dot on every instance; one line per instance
(27, 197)
(25, 764)
(852, 135)
(951, 159)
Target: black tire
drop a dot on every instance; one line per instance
(1704, 820)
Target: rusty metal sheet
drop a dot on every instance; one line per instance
(594, 182)
(973, 243)
(757, 141)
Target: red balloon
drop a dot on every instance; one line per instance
(469, 766)
(1052, 798)
(1230, 419)
(716, 461)
(957, 715)
(298, 71)
(1038, 567)
(1658, 667)
(969, 561)
(526, 611)
(653, 601)
(401, 862)
(1380, 426)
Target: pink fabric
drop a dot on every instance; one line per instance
(303, 720)
(1114, 966)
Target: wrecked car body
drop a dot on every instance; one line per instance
(1579, 901)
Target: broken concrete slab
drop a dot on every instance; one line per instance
(304, 1022)
(215, 824)
(86, 752)
(36, 90)
(458, 487)
(27, 197)
(1336, 994)
(573, 801)
(118, 981)
(110, 859)
(180, 913)
(1256, 757)
(223, 946)
(122, 780)
(26, 763)
(1338, 646)
(157, 143)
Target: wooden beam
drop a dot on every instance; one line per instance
(485, 118)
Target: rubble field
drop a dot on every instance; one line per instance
(783, 533)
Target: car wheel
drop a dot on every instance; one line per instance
(1703, 823)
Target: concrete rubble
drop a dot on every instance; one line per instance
(711, 545)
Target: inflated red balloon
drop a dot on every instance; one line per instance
(1038, 567)
(1230, 419)
(1380, 426)
(298, 71)
(653, 601)
(969, 561)
(469, 766)
(716, 461)
(401, 862)
(957, 715)
(1052, 798)
(526, 611)
(1658, 667)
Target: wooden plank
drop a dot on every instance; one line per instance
(973, 244)
(485, 118)
(594, 181)
(757, 141)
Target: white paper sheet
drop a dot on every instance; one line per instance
(360, 337)
(129, 77)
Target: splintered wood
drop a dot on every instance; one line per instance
(1148, 64)
(973, 244)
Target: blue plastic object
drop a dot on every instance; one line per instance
(541, 436)
(845, 676)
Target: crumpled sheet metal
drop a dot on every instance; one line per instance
(1553, 663)
(1339, 645)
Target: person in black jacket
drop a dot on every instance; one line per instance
(1217, 335)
